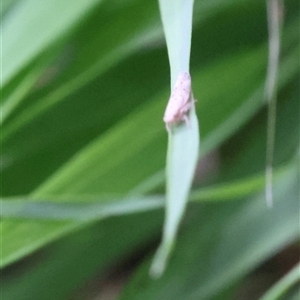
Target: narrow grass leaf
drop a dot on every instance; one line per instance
(95, 207)
(183, 144)
(274, 10)
(283, 285)
(88, 210)
(22, 38)
(177, 23)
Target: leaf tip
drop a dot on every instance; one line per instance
(160, 260)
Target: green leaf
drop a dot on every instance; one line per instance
(222, 243)
(274, 8)
(79, 210)
(22, 39)
(84, 208)
(144, 122)
(181, 162)
(73, 260)
(87, 56)
(177, 23)
(283, 285)
(183, 145)
(228, 71)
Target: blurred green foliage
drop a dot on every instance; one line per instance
(85, 84)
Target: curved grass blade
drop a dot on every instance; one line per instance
(21, 43)
(274, 10)
(78, 211)
(283, 285)
(183, 141)
(96, 207)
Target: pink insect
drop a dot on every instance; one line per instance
(180, 101)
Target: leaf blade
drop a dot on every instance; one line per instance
(183, 143)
